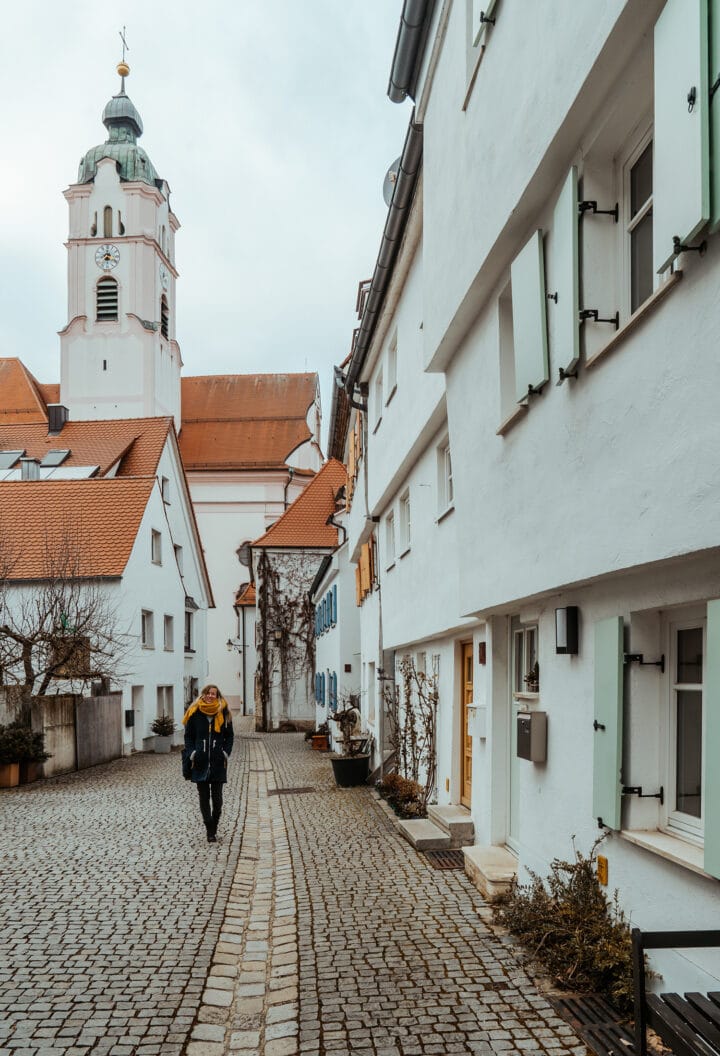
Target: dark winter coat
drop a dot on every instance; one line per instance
(208, 750)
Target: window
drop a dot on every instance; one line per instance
(164, 316)
(508, 397)
(404, 522)
(179, 556)
(156, 547)
(93, 226)
(390, 540)
(445, 480)
(639, 223)
(165, 701)
(106, 299)
(686, 776)
(378, 398)
(526, 669)
(391, 369)
(189, 633)
(147, 636)
(121, 225)
(107, 221)
(165, 489)
(169, 633)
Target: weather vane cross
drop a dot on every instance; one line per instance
(121, 34)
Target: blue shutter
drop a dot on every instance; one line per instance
(711, 707)
(322, 688)
(608, 726)
(334, 604)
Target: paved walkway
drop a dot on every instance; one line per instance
(310, 928)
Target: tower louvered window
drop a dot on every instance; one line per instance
(107, 299)
(164, 316)
(107, 221)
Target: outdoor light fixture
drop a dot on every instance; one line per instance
(566, 630)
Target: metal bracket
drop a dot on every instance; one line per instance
(636, 790)
(601, 824)
(598, 725)
(714, 87)
(485, 18)
(564, 374)
(592, 207)
(552, 296)
(679, 247)
(638, 658)
(593, 314)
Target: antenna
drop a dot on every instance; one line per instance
(390, 181)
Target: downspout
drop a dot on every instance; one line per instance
(288, 482)
(244, 662)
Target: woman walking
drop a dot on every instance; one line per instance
(208, 741)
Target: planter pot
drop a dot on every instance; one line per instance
(162, 744)
(350, 770)
(320, 742)
(30, 771)
(9, 775)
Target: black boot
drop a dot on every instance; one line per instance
(211, 837)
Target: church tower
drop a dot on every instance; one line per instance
(118, 353)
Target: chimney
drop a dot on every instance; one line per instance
(58, 414)
(29, 469)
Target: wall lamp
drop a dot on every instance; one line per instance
(566, 630)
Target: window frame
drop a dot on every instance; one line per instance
(446, 494)
(147, 629)
(107, 282)
(169, 633)
(524, 633)
(189, 632)
(676, 822)
(155, 546)
(378, 390)
(405, 522)
(635, 146)
(390, 544)
(391, 369)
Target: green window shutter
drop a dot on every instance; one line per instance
(714, 116)
(711, 704)
(527, 275)
(566, 275)
(681, 169)
(607, 751)
(487, 7)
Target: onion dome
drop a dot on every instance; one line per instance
(124, 126)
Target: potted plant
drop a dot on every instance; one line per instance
(9, 756)
(352, 766)
(22, 753)
(163, 727)
(32, 746)
(320, 738)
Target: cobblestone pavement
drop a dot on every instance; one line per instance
(311, 929)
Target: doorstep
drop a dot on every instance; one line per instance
(456, 821)
(491, 869)
(423, 835)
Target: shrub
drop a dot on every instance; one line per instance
(406, 797)
(19, 744)
(163, 726)
(571, 926)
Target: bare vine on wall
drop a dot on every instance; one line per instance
(285, 629)
(411, 706)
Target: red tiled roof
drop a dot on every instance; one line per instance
(236, 421)
(304, 523)
(138, 441)
(246, 595)
(39, 518)
(20, 395)
(49, 392)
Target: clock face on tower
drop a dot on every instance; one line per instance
(164, 276)
(107, 256)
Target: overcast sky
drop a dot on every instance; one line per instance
(272, 126)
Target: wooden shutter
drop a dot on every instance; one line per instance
(358, 588)
(565, 313)
(365, 569)
(711, 706)
(681, 167)
(607, 733)
(529, 303)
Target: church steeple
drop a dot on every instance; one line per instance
(119, 355)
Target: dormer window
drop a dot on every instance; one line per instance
(107, 299)
(164, 316)
(107, 222)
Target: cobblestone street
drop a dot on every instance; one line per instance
(311, 927)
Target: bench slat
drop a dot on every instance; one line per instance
(708, 1008)
(696, 1019)
(674, 1031)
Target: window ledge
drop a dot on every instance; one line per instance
(189, 652)
(446, 513)
(148, 647)
(391, 565)
(526, 696)
(672, 848)
(638, 315)
(507, 423)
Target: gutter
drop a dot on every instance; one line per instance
(397, 219)
(409, 49)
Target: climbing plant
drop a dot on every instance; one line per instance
(411, 706)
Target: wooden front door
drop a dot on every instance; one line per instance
(465, 738)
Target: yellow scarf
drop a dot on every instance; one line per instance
(216, 708)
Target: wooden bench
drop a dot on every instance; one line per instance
(689, 1025)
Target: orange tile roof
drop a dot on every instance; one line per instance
(37, 517)
(137, 441)
(20, 396)
(246, 595)
(236, 421)
(50, 392)
(304, 523)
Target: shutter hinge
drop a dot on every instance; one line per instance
(593, 314)
(637, 658)
(592, 207)
(714, 87)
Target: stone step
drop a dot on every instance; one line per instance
(456, 821)
(491, 869)
(423, 835)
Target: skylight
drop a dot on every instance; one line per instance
(56, 457)
(9, 458)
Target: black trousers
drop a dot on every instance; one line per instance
(208, 790)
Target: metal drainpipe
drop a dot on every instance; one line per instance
(244, 663)
(288, 482)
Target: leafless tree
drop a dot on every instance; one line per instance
(62, 623)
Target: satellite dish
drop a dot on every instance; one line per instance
(244, 554)
(390, 181)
